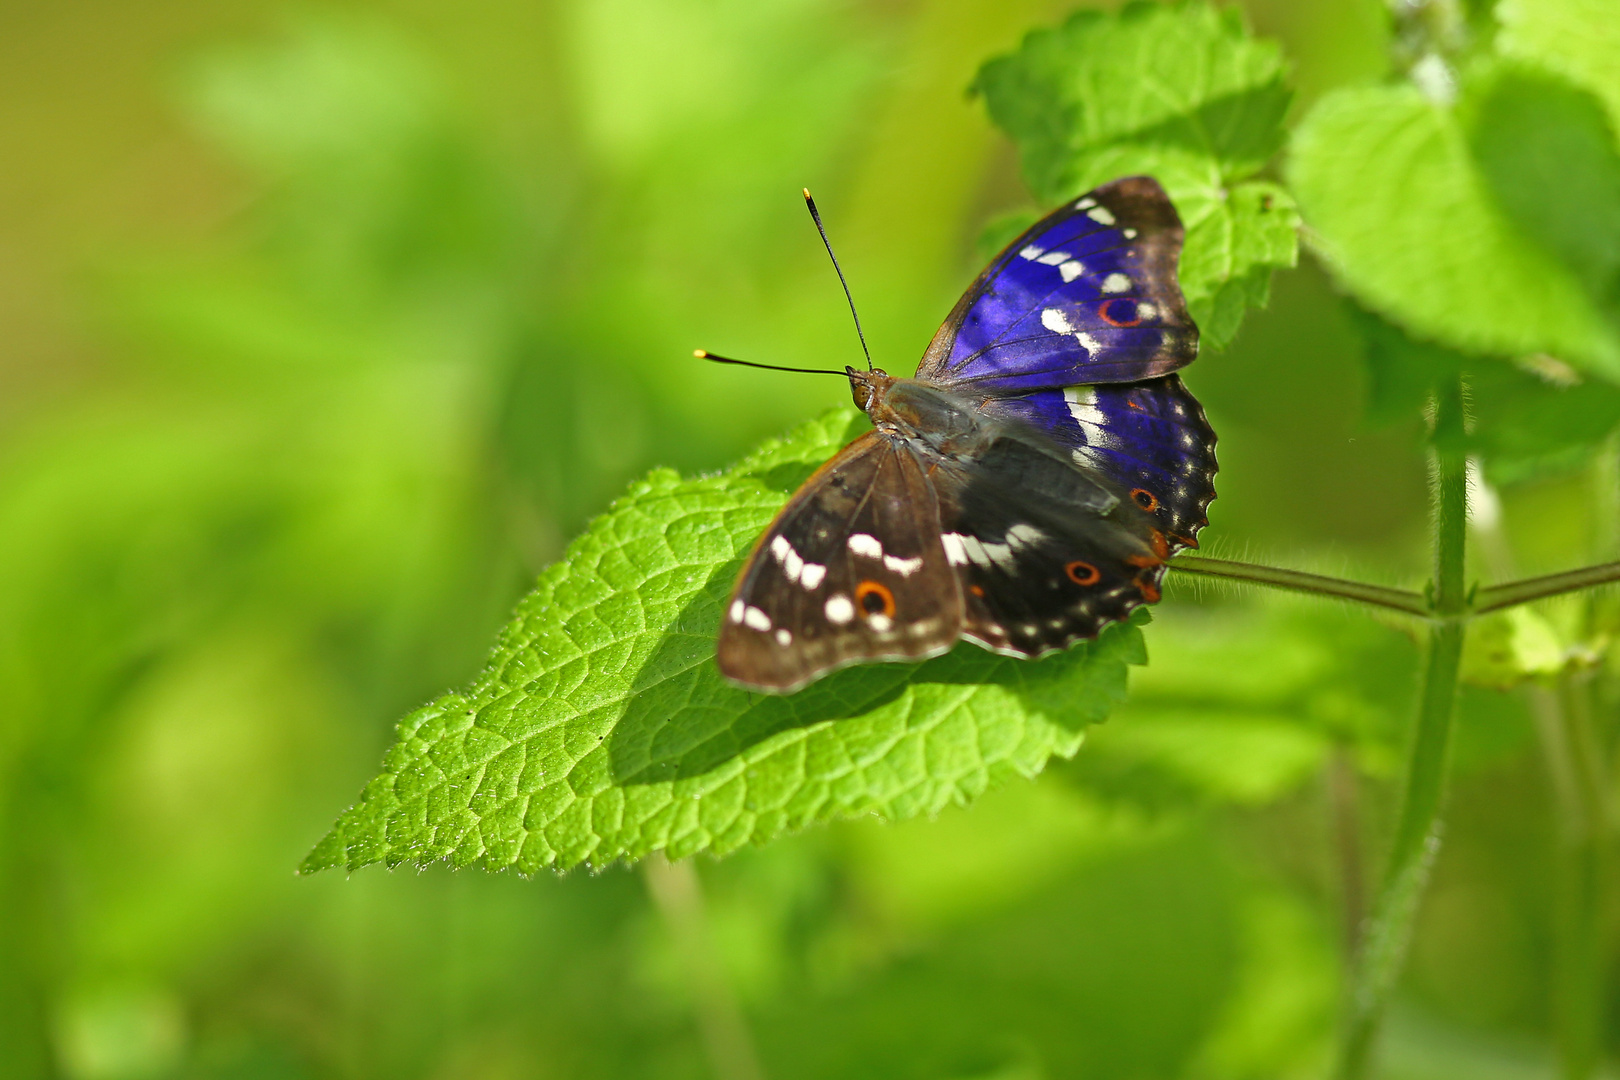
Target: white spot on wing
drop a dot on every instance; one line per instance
(1100, 215)
(1071, 270)
(1116, 283)
(1082, 403)
(1024, 535)
(812, 574)
(756, 619)
(880, 622)
(1052, 258)
(784, 638)
(1085, 203)
(737, 609)
(955, 552)
(839, 610)
(1146, 310)
(903, 567)
(1057, 321)
(866, 544)
(1032, 252)
(780, 547)
(1130, 234)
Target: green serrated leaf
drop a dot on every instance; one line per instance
(1179, 92)
(1412, 225)
(1511, 647)
(601, 729)
(1527, 422)
(1579, 39)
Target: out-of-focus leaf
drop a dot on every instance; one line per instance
(1529, 418)
(1279, 1022)
(1414, 225)
(1579, 39)
(1506, 649)
(601, 730)
(1547, 152)
(1179, 92)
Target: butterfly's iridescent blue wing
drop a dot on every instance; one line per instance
(1087, 295)
(1149, 438)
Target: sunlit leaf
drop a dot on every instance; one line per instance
(1579, 39)
(1414, 225)
(1529, 418)
(1508, 648)
(1181, 93)
(602, 730)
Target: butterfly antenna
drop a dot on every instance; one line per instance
(815, 215)
(705, 354)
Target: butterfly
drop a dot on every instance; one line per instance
(1023, 490)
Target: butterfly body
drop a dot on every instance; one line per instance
(1001, 496)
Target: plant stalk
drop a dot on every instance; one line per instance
(1402, 600)
(1514, 593)
(678, 895)
(1417, 836)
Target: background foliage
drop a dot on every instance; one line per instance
(327, 330)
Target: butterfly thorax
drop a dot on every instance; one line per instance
(916, 409)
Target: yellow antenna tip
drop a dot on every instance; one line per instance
(701, 354)
(806, 193)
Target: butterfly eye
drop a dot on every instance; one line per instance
(1145, 499)
(1082, 573)
(874, 599)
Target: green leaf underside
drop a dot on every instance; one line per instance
(1579, 39)
(1525, 423)
(1416, 227)
(601, 729)
(1180, 93)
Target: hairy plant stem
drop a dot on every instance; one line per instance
(678, 895)
(1575, 770)
(1417, 836)
(1514, 593)
(1494, 598)
(1402, 600)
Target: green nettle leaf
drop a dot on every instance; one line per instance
(1579, 39)
(1181, 93)
(1430, 220)
(601, 729)
(1529, 419)
(1511, 647)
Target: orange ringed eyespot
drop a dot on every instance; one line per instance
(874, 598)
(1145, 499)
(1082, 573)
(1128, 315)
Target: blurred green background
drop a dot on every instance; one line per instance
(325, 328)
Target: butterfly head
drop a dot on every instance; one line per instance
(869, 388)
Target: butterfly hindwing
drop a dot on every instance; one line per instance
(1047, 554)
(852, 570)
(1087, 295)
(1151, 439)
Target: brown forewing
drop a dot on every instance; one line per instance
(852, 570)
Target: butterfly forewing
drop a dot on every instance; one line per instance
(852, 570)
(1087, 295)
